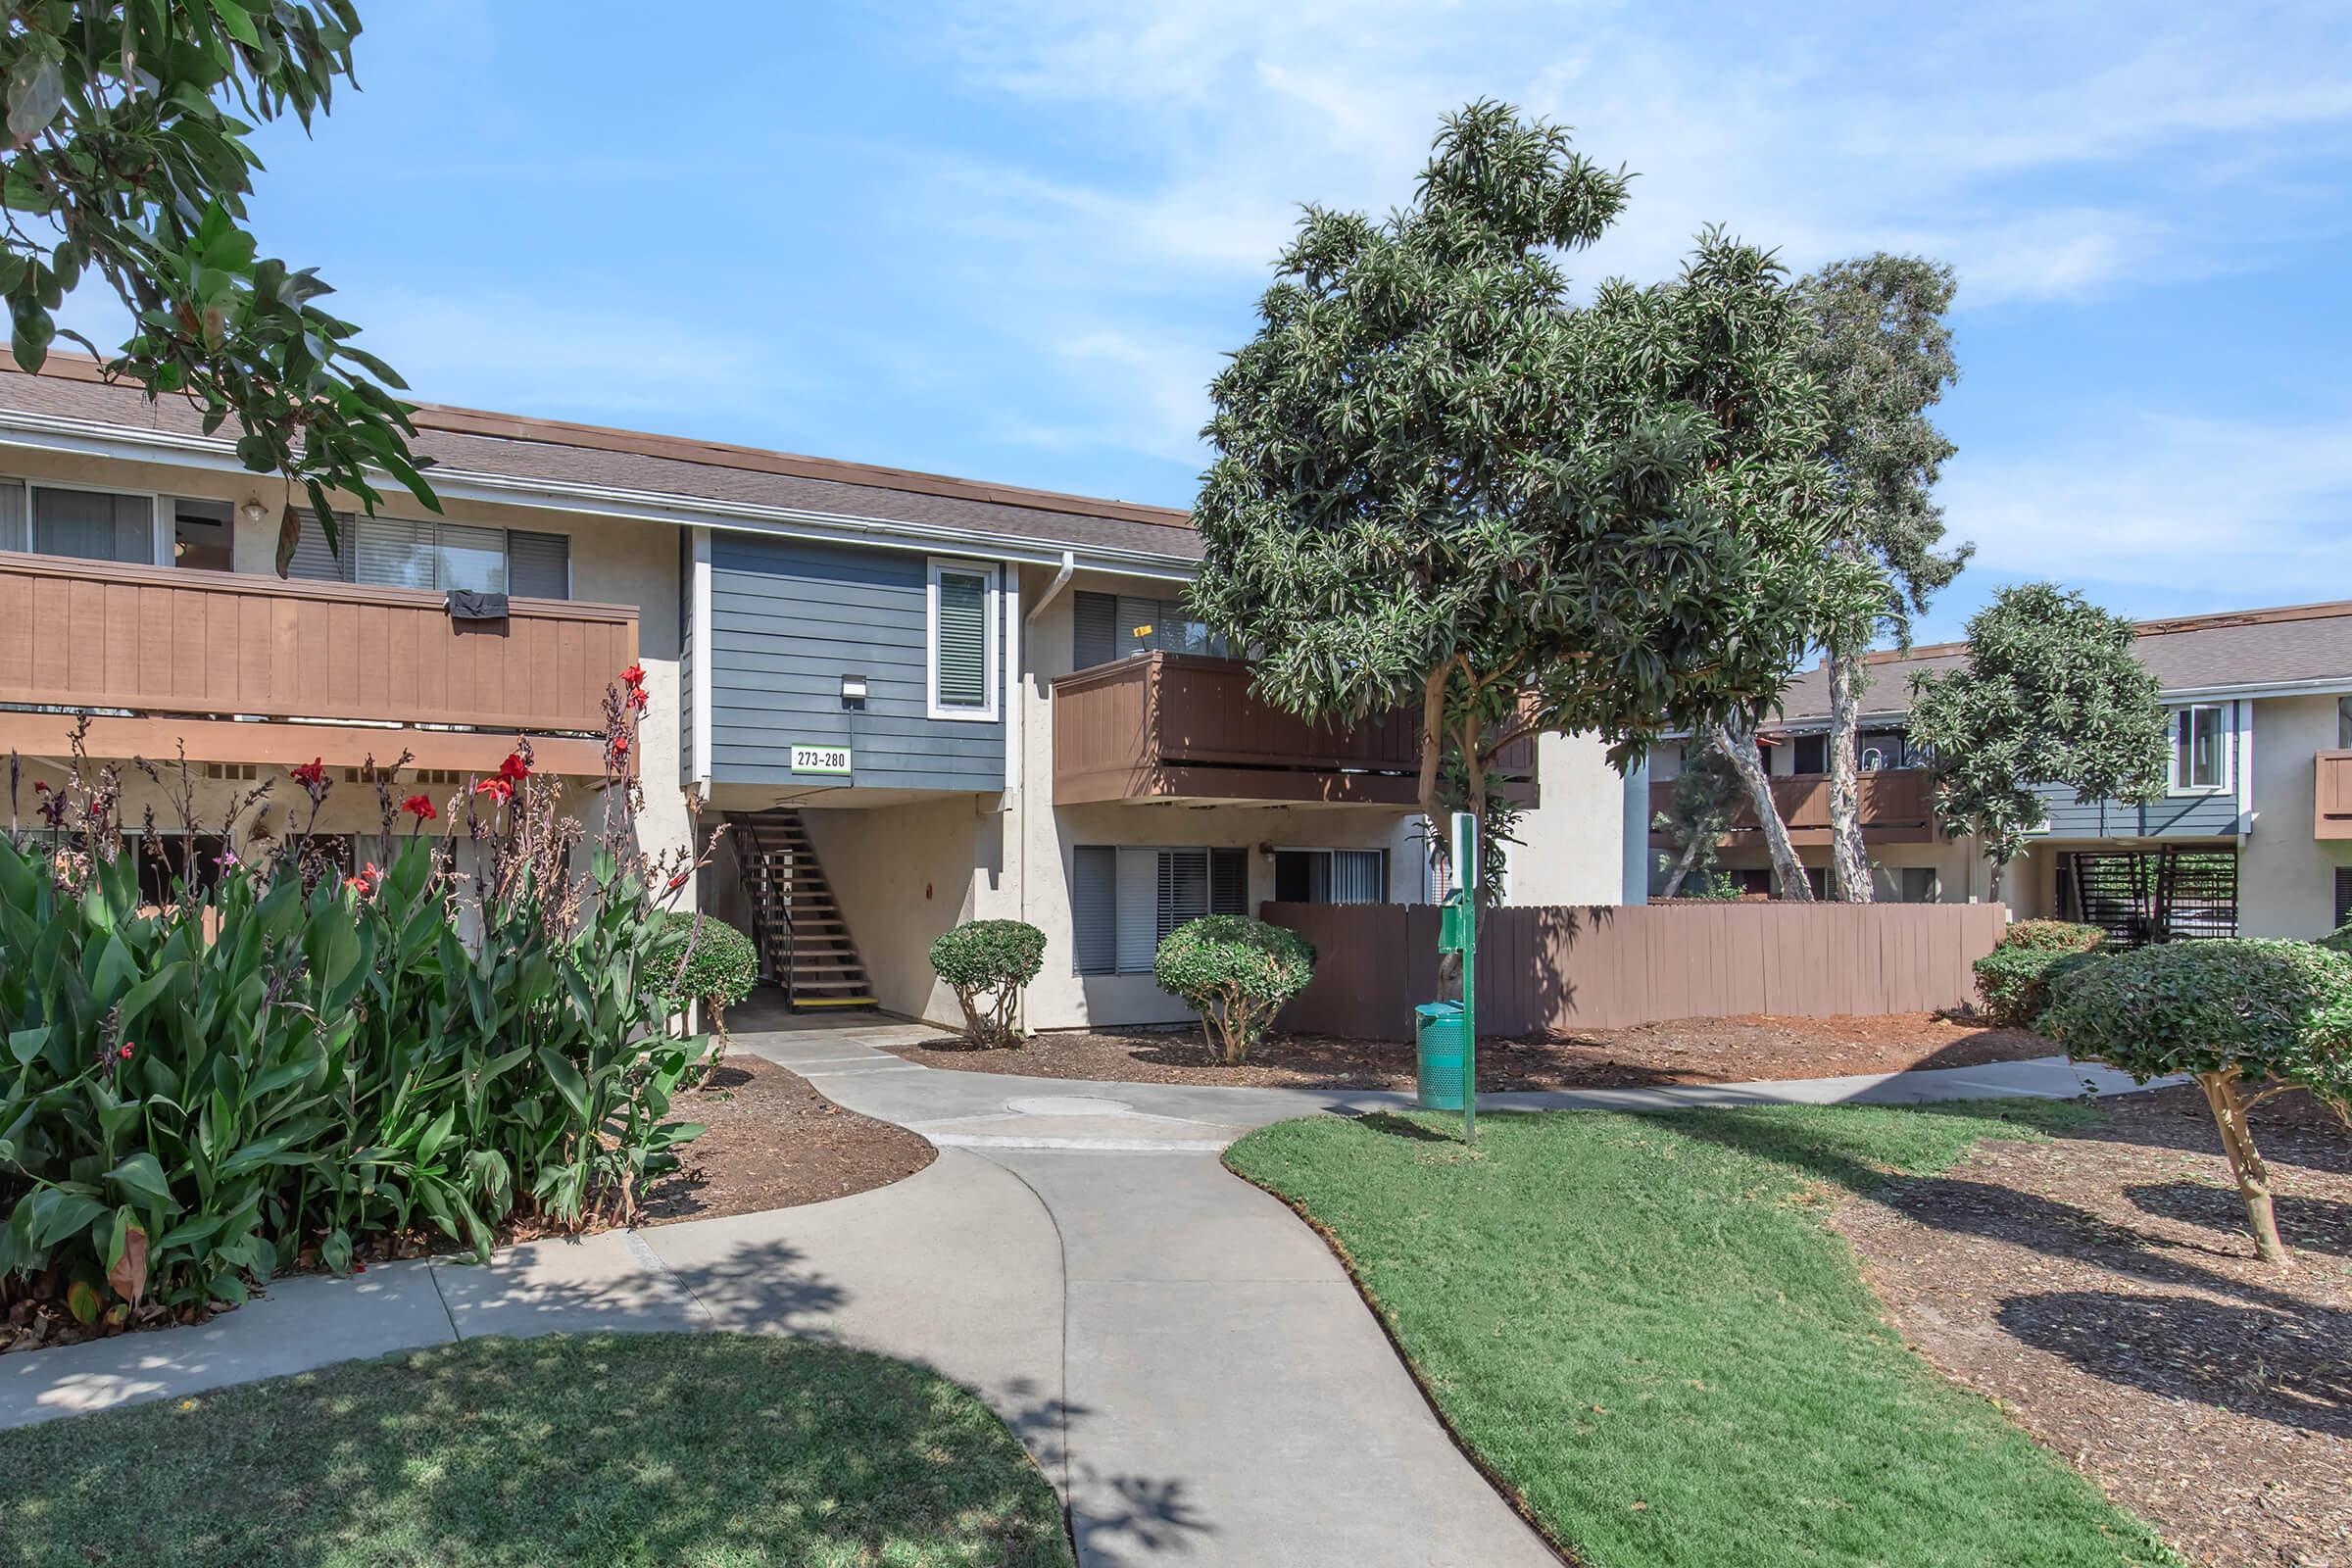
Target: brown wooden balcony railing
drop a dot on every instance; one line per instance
(1895, 808)
(1163, 726)
(183, 645)
(2332, 795)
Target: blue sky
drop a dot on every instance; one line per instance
(1011, 241)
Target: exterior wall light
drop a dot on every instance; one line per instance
(852, 691)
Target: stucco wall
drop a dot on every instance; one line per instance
(1570, 848)
(2285, 877)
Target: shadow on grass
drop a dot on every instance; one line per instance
(1389, 1124)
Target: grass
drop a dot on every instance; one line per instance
(679, 1450)
(1642, 1325)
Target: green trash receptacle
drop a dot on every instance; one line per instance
(1438, 1068)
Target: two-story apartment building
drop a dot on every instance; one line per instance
(2252, 835)
(914, 700)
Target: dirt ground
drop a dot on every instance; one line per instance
(772, 1142)
(2103, 1291)
(1687, 1050)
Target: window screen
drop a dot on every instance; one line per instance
(1094, 908)
(12, 516)
(960, 640)
(539, 564)
(312, 561)
(2343, 894)
(474, 559)
(395, 552)
(1093, 630)
(93, 526)
(1811, 755)
(2197, 748)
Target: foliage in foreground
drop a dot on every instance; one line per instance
(2012, 979)
(2051, 696)
(630, 1450)
(278, 1064)
(127, 159)
(986, 963)
(1642, 1327)
(1237, 972)
(2249, 1019)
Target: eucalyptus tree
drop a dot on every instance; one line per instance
(1882, 356)
(2051, 695)
(1440, 485)
(128, 160)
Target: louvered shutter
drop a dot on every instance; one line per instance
(1094, 908)
(1183, 889)
(962, 640)
(12, 516)
(393, 553)
(1357, 876)
(1137, 911)
(538, 564)
(312, 561)
(1093, 629)
(1228, 882)
(2343, 894)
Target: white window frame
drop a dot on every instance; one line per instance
(2223, 749)
(159, 546)
(991, 636)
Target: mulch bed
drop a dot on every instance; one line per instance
(772, 1142)
(1687, 1050)
(2103, 1291)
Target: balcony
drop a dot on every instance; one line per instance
(173, 655)
(1894, 807)
(2332, 795)
(1177, 726)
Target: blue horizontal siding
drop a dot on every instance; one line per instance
(2202, 816)
(788, 620)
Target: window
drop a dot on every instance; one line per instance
(436, 556)
(1109, 626)
(2200, 747)
(1920, 884)
(2343, 723)
(1331, 876)
(1125, 900)
(963, 616)
(86, 525)
(1811, 753)
(1876, 750)
(2343, 894)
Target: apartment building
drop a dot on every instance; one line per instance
(911, 700)
(2252, 835)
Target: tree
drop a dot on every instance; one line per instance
(2248, 1019)
(1439, 486)
(125, 162)
(1706, 797)
(1883, 356)
(2051, 695)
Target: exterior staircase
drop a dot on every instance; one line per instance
(804, 945)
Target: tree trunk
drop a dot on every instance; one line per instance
(2245, 1163)
(1849, 865)
(1740, 750)
(1683, 863)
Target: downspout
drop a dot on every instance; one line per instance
(1020, 686)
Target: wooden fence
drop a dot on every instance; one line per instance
(1555, 969)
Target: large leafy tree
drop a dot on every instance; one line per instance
(128, 159)
(1440, 485)
(2051, 695)
(1882, 356)
(1701, 808)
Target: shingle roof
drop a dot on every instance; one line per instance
(556, 452)
(2281, 647)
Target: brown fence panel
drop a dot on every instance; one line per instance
(1554, 970)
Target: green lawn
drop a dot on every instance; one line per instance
(675, 1450)
(1641, 1324)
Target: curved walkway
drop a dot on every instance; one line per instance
(1188, 1362)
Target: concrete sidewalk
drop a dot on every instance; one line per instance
(1189, 1363)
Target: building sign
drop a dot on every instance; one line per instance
(828, 760)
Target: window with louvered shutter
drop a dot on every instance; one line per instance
(1228, 882)
(538, 564)
(312, 561)
(12, 516)
(1358, 876)
(1093, 629)
(1094, 908)
(471, 558)
(962, 642)
(94, 526)
(1183, 891)
(394, 553)
(2343, 894)
(1137, 911)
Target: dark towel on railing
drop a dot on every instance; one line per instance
(466, 604)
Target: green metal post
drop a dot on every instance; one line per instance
(1466, 865)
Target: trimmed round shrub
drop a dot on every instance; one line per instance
(986, 963)
(2338, 939)
(2013, 978)
(1237, 973)
(2248, 1019)
(719, 971)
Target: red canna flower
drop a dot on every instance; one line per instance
(421, 808)
(633, 676)
(498, 789)
(514, 769)
(677, 882)
(125, 1053)
(638, 700)
(621, 747)
(311, 774)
